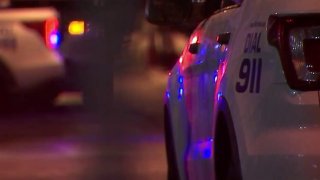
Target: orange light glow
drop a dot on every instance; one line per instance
(76, 28)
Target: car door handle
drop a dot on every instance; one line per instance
(223, 38)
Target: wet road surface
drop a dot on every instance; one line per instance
(68, 142)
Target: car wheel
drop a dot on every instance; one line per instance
(38, 98)
(173, 173)
(12, 99)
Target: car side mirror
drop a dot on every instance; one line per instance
(194, 48)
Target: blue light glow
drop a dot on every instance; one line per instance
(206, 153)
(54, 39)
(219, 95)
(181, 91)
(203, 149)
(215, 76)
(180, 79)
(168, 94)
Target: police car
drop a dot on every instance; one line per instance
(31, 68)
(242, 102)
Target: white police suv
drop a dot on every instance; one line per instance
(30, 67)
(242, 102)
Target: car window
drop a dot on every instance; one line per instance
(226, 3)
(212, 6)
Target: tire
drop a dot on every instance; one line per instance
(6, 79)
(41, 97)
(172, 173)
(227, 163)
(8, 84)
(44, 97)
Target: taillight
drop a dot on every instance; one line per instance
(48, 30)
(52, 37)
(297, 38)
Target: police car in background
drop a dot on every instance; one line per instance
(75, 30)
(30, 67)
(79, 33)
(242, 102)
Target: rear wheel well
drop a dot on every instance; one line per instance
(6, 78)
(226, 154)
(222, 148)
(173, 172)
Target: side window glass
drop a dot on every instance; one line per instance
(226, 3)
(212, 6)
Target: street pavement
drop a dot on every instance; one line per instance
(68, 142)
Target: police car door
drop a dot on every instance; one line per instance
(222, 31)
(198, 97)
(205, 74)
